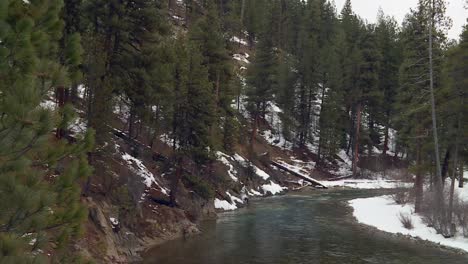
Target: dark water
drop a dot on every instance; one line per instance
(311, 227)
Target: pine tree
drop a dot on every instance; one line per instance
(40, 207)
(194, 103)
(207, 34)
(391, 51)
(261, 80)
(332, 116)
(415, 122)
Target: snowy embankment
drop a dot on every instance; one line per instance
(368, 184)
(384, 214)
(268, 188)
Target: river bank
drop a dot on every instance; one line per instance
(384, 214)
(300, 227)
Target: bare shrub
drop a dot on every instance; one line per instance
(434, 217)
(401, 197)
(399, 175)
(460, 211)
(406, 221)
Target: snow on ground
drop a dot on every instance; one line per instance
(78, 127)
(262, 174)
(48, 104)
(273, 188)
(382, 213)
(274, 136)
(345, 166)
(224, 205)
(227, 206)
(81, 91)
(139, 168)
(223, 158)
(168, 140)
(241, 57)
(368, 184)
(121, 108)
(239, 40)
(235, 199)
(299, 166)
(114, 221)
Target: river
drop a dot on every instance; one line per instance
(306, 227)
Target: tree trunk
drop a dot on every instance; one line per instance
(351, 131)
(438, 176)
(130, 121)
(175, 182)
(320, 119)
(371, 140)
(454, 174)
(356, 140)
(61, 98)
(452, 188)
(387, 131)
(241, 21)
(172, 4)
(445, 165)
(461, 179)
(418, 184)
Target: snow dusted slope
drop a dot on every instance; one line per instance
(383, 213)
(269, 187)
(140, 169)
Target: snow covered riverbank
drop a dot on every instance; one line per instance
(383, 213)
(368, 184)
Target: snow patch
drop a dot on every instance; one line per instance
(262, 174)
(223, 158)
(382, 213)
(241, 57)
(239, 40)
(81, 91)
(48, 104)
(368, 184)
(224, 205)
(139, 168)
(114, 221)
(78, 127)
(273, 188)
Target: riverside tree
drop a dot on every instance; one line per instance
(40, 209)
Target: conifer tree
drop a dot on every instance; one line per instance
(391, 54)
(207, 34)
(40, 207)
(261, 80)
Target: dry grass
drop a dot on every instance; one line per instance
(406, 221)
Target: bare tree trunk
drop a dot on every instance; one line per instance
(387, 131)
(445, 165)
(241, 21)
(454, 175)
(356, 140)
(320, 117)
(61, 99)
(438, 177)
(351, 130)
(460, 180)
(176, 181)
(452, 188)
(418, 184)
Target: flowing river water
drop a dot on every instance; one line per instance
(306, 227)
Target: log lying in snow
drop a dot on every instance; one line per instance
(341, 178)
(299, 175)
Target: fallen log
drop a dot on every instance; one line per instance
(314, 182)
(341, 178)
